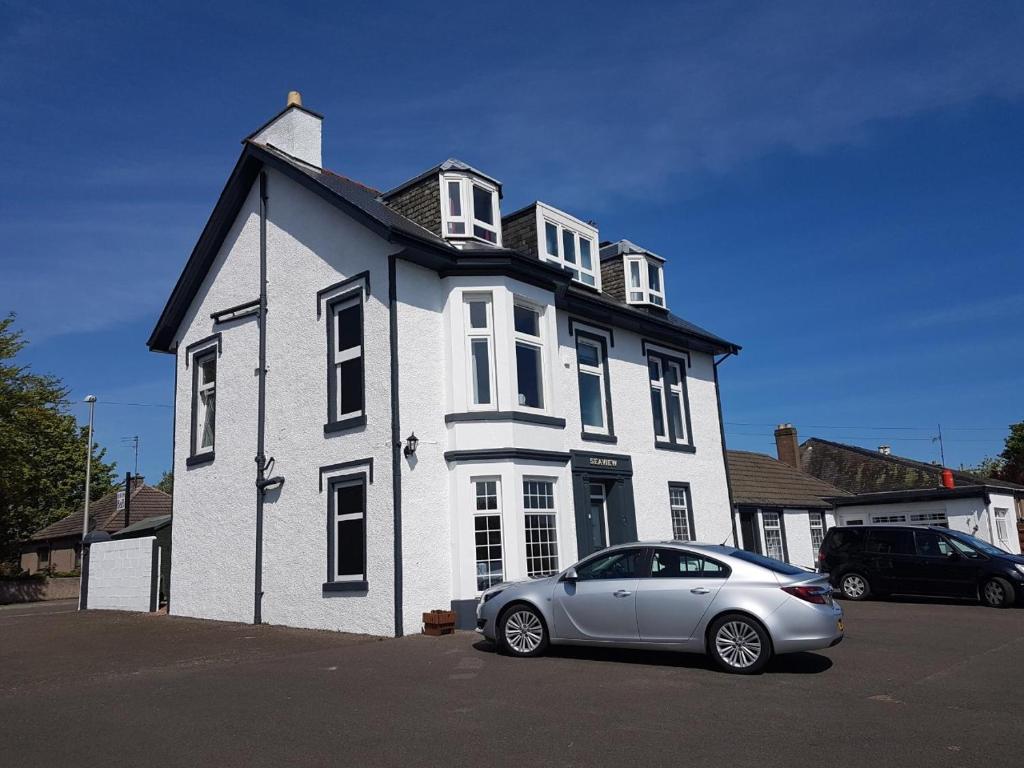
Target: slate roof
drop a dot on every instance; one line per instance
(451, 164)
(367, 204)
(146, 502)
(759, 480)
(149, 524)
(862, 470)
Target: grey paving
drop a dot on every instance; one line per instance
(914, 684)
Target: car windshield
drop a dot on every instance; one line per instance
(978, 544)
(766, 562)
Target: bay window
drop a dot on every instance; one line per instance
(469, 208)
(490, 568)
(480, 349)
(529, 356)
(540, 527)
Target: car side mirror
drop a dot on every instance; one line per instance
(952, 555)
(570, 575)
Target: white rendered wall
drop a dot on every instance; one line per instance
(121, 574)
(310, 246)
(213, 549)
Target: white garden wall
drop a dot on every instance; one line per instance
(122, 573)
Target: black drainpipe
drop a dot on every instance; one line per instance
(396, 440)
(725, 454)
(261, 406)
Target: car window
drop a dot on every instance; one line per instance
(766, 562)
(889, 542)
(930, 544)
(621, 564)
(846, 540)
(964, 548)
(674, 563)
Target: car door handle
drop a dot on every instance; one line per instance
(622, 593)
(700, 590)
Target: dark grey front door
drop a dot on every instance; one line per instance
(748, 530)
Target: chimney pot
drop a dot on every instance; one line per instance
(787, 446)
(885, 450)
(294, 99)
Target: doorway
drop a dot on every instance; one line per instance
(748, 530)
(602, 488)
(597, 517)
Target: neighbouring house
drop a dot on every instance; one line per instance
(883, 488)
(778, 510)
(58, 547)
(439, 398)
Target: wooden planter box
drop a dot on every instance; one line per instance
(438, 622)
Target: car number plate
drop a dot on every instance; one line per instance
(840, 626)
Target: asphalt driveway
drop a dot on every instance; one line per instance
(914, 684)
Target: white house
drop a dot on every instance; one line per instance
(437, 398)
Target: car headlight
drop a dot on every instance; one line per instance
(494, 593)
(1019, 567)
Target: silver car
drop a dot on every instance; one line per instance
(738, 607)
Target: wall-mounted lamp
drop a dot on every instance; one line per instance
(411, 444)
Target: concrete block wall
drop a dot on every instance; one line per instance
(121, 574)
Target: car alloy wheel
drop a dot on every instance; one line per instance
(997, 593)
(738, 644)
(523, 632)
(854, 586)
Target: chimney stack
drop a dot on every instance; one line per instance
(786, 445)
(885, 450)
(296, 132)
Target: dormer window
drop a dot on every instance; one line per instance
(645, 280)
(569, 242)
(469, 208)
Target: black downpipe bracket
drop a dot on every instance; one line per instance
(261, 407)
(725, 454)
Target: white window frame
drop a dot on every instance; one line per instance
(888, 519)
(680, 512)
(474, 335)
(342, 356)
(468, 216)
(551, 511)
(339, 517)
(816, 522)
(199, 407)
(579, 231)
(482, 513)
(537, 342)
(664, 389)
(771, 521)
(1002, 531)
(647, 294)
(599, 372)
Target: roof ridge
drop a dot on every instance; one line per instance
(791, 468)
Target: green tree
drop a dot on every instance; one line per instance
(42, 449)
(1012, 457)
(166, 483)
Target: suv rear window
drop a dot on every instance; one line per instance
(845, 539)
(766, 562)
(889, 542)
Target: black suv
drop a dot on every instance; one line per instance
(869, 560)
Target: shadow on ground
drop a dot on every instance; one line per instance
(791, 663)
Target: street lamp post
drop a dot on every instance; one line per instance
(91, 400)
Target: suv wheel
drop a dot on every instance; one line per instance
(738, 644)
(997, 593)
(854, 586)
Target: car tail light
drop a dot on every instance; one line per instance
(819, 595)
(821, 555)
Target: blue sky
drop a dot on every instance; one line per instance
(837, 187)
